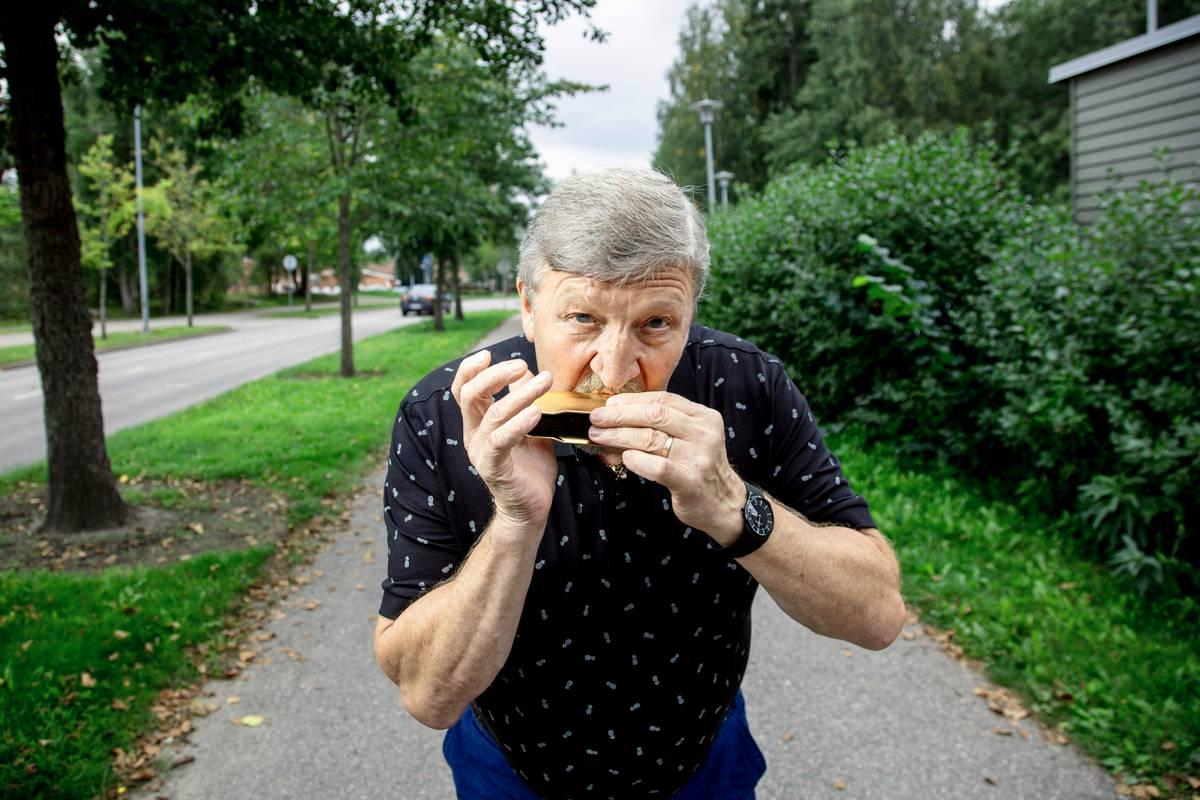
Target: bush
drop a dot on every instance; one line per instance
(857, 273)
(913, 294)
(1089, 340)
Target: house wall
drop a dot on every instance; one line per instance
(1120, 114)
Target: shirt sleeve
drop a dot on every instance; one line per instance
(804, 473)
(422, 547)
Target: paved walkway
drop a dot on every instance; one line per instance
(834, 721)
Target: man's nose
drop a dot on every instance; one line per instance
(615, 361)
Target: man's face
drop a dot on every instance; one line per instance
(599, 337)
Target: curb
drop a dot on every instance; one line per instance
(11, 365)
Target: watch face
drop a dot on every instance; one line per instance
(759, 517)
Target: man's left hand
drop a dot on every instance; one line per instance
(681, 445)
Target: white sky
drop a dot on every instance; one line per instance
(617, 127)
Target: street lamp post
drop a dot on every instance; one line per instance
(724, 177)
(707, 108)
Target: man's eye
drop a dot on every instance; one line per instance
(583, 319)
(658, 323)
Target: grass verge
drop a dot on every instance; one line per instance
(83, 658)
(26, 352)
(304, 433)
(1117, 672)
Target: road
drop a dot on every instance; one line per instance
(145, 383)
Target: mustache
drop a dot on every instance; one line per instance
(593, 384)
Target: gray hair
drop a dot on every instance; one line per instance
(618, 226)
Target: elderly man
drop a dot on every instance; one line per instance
(579, 616)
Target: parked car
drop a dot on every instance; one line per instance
(418, 299)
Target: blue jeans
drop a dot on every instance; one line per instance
(730, 771)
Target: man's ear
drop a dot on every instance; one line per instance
(526, 309)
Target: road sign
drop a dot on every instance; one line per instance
(290, 262)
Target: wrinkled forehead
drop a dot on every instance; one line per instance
(668, 288)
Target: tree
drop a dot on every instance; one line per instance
(182, 49)
(109, 217)
(191, 222)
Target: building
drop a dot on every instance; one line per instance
(1129, 101)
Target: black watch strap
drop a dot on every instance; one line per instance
(758, 521)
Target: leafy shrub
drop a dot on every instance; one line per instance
(1089, 339)
(856, 274)
(913, 294)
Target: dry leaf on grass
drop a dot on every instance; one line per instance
(119, 634)
(119, 705)
(86, 680)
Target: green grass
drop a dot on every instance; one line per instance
(303, 431)
(1121, 673)
(26, 352)
(15, 327)
(56, 733)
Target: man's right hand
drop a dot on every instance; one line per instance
(519, 471)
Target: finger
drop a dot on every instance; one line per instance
(513, 430)
(655, 468)
(470, 366)
(647, 440)
(478, 392)
(517, 399)
(658, 415)
(668, 399)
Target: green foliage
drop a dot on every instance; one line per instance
(130, 631)
(990, 332)
(871, 333)
(1089, 348)
(14, 274)
(1117, 672)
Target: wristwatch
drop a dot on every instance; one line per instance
(758, 520)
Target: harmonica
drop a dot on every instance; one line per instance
(565, 415)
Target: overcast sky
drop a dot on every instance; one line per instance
(616, 127)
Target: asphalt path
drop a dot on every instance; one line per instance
(835, 722)
(145, 383)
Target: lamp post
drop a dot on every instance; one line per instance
(707, 109)
(724, 177)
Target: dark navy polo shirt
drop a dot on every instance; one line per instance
(635, 632)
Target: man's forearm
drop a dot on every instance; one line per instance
(448, 646)
(836, 581)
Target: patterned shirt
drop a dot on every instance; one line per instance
(635, 632)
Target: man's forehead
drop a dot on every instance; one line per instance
(670, 285)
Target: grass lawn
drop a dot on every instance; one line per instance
(26, 352)
(1119, 673)
(304, 433)
(84, 657)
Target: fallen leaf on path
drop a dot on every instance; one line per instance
(358, 587)
(369, 556)
(847, 653)
(989, 780)
(318, 573)
(1002, 731)
(249, 721)
(839, 784)
(908, 636)
(293, 655)
(311, 604)
(246, 655)
(201, 708)
(787, 737)
(197, 527)
(234, 700)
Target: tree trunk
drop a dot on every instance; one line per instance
(81, 492)
(187, 271)
(103, 304)
(457, 283)
(438, 275)
(308, 279)
(344, 280)
(125, 287)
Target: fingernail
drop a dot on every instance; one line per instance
(598, 414)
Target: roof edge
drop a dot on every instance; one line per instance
(1129, 48)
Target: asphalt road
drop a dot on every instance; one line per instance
(835, 722)
(145, 383)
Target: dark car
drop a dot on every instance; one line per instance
(418, 299)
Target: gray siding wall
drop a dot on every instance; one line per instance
(1122, 113)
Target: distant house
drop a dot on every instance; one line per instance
(1129, 100)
